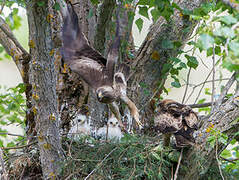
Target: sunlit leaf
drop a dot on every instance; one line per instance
(228, 19)
(192, 61)
(176, 84)
(234, 46)
(205, 41)
(226, 153)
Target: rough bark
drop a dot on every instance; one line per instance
(159, 32)
(43, 80)
(200, 159)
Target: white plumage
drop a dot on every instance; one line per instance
(79, 127)
(114, 131)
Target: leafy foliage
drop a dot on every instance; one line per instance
(12, 110)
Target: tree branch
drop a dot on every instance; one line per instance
(225, 90)
(5, 28)
(105, 15)
(204, 104)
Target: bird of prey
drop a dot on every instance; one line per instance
(177, 119)
(79, 127)
(97, 71)
(111, 131)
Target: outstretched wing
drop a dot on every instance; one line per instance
(79, 55)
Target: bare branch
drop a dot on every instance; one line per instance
(230, 160)
(203, 104)
(3, 5)
(10, 134)
(4, 27)
(213, 76)
(179, 161)
(187, 83)
(225, 90)
(218, 162)
(19, 147)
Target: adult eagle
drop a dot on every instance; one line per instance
(177, 119)
(97, 71)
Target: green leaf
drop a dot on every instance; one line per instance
(139, 23)
(183, 65)
(224, 32)
(155, 14)
(211, 140)
(95, 2)
(1, 49)
(143, 2)
(233, 141)
(144, 11)
(192, 61)
(176, 84)
(226, 153)
(228, 19)
(57, 6)
(40, 3)
(234, 46)
(175, 60)
(205, 41)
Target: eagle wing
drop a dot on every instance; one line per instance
(80, 56)
(191, 120)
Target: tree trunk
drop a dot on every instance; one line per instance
(43, 79)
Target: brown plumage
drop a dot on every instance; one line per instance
(97, 71)
(178, 119)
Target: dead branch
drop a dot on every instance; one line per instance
(225, 90)
(19, 147)
(178, 165)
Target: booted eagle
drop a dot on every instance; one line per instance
(178, 119)
(97, 71)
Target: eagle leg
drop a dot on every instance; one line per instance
(115, 110)
(133, 110)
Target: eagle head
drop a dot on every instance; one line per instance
(106, 94)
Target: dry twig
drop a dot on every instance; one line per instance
(218, 162)
(100, 163)
(179, 162)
